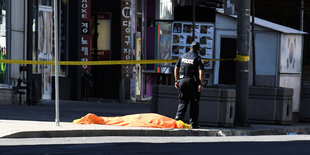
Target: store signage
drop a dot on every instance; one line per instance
(182, 39)
(85, 32)
(126, 37)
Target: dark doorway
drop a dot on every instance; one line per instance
(228, 68)
(105, 46)
(101, 49)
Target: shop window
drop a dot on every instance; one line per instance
(45, 2)
(104, 37)
(43, 40)
(166, 9)
(164, 46)
(44, 46)
(43, 34)
(3, 51)
(163, 35)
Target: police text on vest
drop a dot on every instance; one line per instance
(187, 61)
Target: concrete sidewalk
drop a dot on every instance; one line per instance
(37, 129)
(38, 122)
(41, 129)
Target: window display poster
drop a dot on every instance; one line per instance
(45, 50)
(182, 39)
(291, 54)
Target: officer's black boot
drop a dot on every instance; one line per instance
(178, 118)
(194, 125)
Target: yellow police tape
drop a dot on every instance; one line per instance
(111, 62)
(242, 58)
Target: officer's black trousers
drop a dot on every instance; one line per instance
(188, 94)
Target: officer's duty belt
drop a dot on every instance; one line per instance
(186, 76)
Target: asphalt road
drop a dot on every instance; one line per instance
(260, 145)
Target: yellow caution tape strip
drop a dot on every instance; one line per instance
(232, 59)
(242, 58)
(116, 62)
(28, 62)
(112, 62)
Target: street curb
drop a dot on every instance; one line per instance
(294, 130)
(281, 130)
(93, 133)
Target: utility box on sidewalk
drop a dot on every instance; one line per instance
(217, 105)
(304, 114)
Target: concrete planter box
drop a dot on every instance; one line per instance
(304, 113)
(269, 105)
(217, 105)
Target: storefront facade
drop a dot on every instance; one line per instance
(110, 30)
(12, 38)
(94, 35)
(142, 30)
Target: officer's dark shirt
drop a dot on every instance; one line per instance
(189, 64)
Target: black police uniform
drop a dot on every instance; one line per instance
(189, 65)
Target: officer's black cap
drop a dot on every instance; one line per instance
(195, 45)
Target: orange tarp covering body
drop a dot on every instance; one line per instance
(135, 120)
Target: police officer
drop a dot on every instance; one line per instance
(188, 73)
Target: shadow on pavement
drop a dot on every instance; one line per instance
(69, 110)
